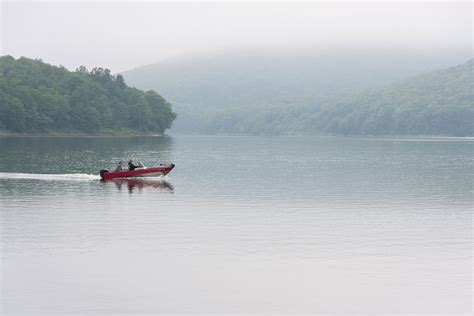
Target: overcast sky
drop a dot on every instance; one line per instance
(121, 35)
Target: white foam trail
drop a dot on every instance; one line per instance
(50, 177)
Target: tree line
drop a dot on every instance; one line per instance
(39, 97)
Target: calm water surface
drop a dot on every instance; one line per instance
(242, 225)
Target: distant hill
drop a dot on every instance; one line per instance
(205, 89)
(38, 97)
(435, 103)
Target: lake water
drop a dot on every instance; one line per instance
(246, 225)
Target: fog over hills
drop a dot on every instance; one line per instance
(436, 103)
(202, 87)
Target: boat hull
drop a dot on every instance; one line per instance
(141, 172)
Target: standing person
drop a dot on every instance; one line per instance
(131, 166)
(119, 167)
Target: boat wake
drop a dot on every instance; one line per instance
(50, 177)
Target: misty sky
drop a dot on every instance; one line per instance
(121, 35)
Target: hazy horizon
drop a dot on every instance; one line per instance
(123, 36)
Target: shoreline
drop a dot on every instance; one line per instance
(124, 134)
(82, 135)
(386, 136)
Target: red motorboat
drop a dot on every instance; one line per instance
(139, 172)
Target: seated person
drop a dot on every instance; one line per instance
(131, 166)
(119, 166)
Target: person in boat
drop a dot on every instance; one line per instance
(119, 167)
(131, 166)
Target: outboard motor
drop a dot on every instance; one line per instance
(102, 172)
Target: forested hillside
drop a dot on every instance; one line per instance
(202, 88)
(39, 97)
(436, 103)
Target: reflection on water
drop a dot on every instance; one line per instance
(60, 155)
(139, 184)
